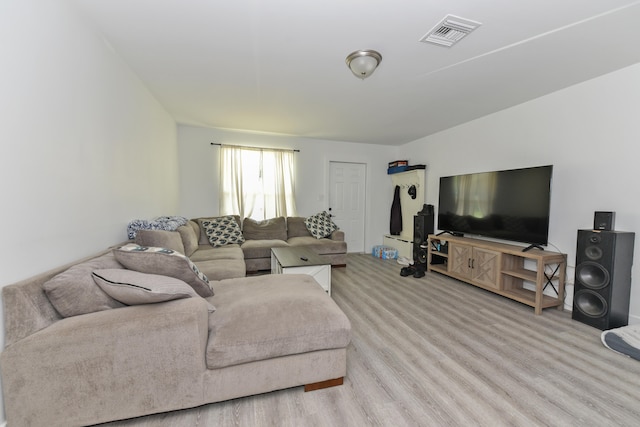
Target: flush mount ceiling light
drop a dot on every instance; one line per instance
(363, 63)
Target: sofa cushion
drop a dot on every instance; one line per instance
(320, 246)
(135, 288)
(296, 227)
(208, 252)
(223, 269)
(160, 239)
(222, 231)
(337, 236)
(269, 229)
(73, 292)
(320, 225)
(262, 317)
(260, 248)
(166, 262)
(196, 228)
(189, 239)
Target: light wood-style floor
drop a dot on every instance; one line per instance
(437, 352)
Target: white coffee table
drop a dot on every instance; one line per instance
(301, 260)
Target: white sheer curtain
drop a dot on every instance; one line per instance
(257, 183)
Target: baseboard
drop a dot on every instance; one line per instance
(568, 296)
(634, 320)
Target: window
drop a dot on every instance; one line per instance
(256, 183)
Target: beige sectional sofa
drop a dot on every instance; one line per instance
(251, 255)
(75, 355)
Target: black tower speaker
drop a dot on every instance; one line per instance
(422, 227)
(603, 278)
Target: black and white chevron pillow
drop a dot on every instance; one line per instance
(222, 231)
(320, 225)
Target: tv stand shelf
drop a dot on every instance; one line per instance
(501, 268)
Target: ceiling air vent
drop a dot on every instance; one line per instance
(450, 31)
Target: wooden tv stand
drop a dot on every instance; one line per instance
(501, 268)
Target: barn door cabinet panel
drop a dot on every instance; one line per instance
(473, 264)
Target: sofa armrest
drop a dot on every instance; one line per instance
(108, 365)
(337, 235)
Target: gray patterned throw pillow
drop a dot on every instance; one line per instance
(165, 262)
(134, 288)
(222, 231)
(320, 225)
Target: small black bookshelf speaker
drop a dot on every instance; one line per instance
(604, 220)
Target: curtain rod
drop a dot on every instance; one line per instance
(258, 148)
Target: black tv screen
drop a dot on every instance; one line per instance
(508, 204)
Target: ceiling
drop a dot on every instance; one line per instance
(279, 67)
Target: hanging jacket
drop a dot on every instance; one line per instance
(395, 227)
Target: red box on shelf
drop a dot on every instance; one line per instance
(397, 163)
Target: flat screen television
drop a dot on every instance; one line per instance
(508, 204)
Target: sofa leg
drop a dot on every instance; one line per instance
(324, 384)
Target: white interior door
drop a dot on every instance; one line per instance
(347, 183)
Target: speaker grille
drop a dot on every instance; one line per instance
(593, 253)
(590, 304)
(592, 275)
(422, 255)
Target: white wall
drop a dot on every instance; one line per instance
(199, 166)
(84, 147)
(590, 133)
